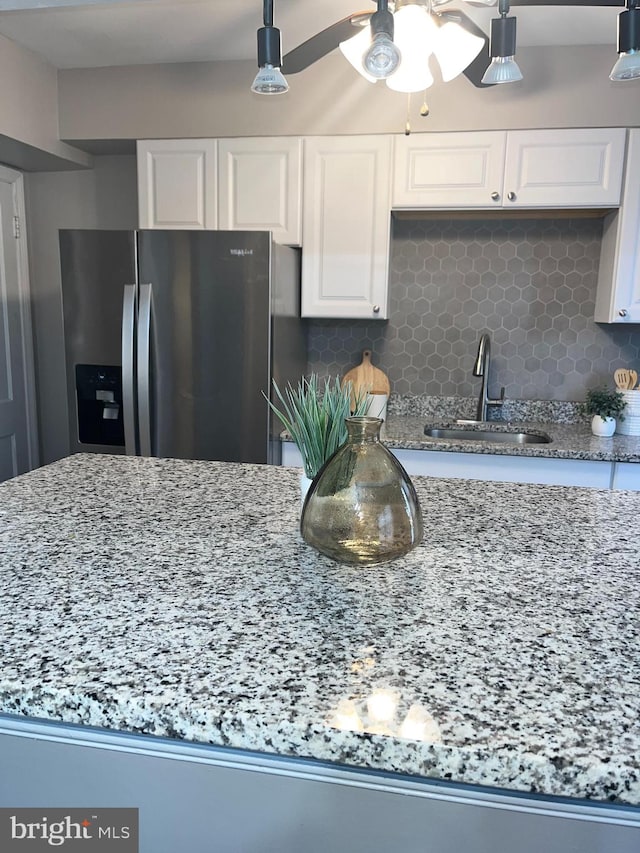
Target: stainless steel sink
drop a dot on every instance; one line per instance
(453, 434)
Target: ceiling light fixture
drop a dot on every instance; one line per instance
(269, 80)
(628, 65)
(382, 57)
(502, 49)
(418, 35)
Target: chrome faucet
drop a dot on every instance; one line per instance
(481, 368)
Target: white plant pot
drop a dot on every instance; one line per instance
(603, 427)
(305, 483)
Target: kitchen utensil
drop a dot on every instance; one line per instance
(621, 378)
(633, 380)
(367, 379)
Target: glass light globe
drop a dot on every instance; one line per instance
(455, 49)
(416, 34)
(353, 49)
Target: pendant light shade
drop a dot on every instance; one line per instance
(269, 80)
(628, 65)
(455, 49)
(416, 35)
(353, 50)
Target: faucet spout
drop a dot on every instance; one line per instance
(481, 368)
(483, 356)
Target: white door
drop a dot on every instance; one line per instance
(17, 409)
(177, 183)
(345, 228)
(260, 186)
(448, 170)
(564, 168)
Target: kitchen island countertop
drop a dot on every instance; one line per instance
(177, 599)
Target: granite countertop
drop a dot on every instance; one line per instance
(568, 441)
(177, 599)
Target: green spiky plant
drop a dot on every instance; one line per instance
(604, 402)
(315, 417)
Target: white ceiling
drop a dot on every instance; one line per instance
(93, 33)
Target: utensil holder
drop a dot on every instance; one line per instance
(631, 423)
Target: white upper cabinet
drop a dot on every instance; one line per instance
(260, 186)
(245, 184)
(618, 296)
(498, 169)
(177, 183)
(564, 168)
(448, 169)
(346, 225)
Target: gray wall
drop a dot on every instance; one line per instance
(530, 283)
(29, 112)
(103, 198)
(563, 87)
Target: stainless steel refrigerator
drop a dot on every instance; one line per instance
(172, 337)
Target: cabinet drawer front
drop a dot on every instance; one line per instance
(564, 168)
(448, 170)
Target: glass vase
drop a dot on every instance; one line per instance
(362, 507)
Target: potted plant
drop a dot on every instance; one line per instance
(604, 405)
(315, 417)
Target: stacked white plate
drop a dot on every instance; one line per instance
(631, 423)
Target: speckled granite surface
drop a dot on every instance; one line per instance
(568, 441)
(176, 598)
(443, 408)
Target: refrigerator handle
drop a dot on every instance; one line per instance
(144, 369)
(128, 395)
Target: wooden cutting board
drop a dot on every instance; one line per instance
(365, 378)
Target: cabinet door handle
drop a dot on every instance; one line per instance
(623, 312)
(511, 196)
(495, 196)
(376, 309)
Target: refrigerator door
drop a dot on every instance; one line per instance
(95, 266)
(209, 343)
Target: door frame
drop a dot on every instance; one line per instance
(16, 179)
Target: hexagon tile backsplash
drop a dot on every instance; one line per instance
(530, 283)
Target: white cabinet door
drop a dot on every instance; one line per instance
(448, 170)
(260, 186)
(177, 185)
(528, 168)
(346, 227)
(618, 296)
(564, 168)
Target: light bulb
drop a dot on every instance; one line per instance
(382, 57)
(503, 69)
(269, 81)
(627, 67)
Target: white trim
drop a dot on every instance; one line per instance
(26, 326)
